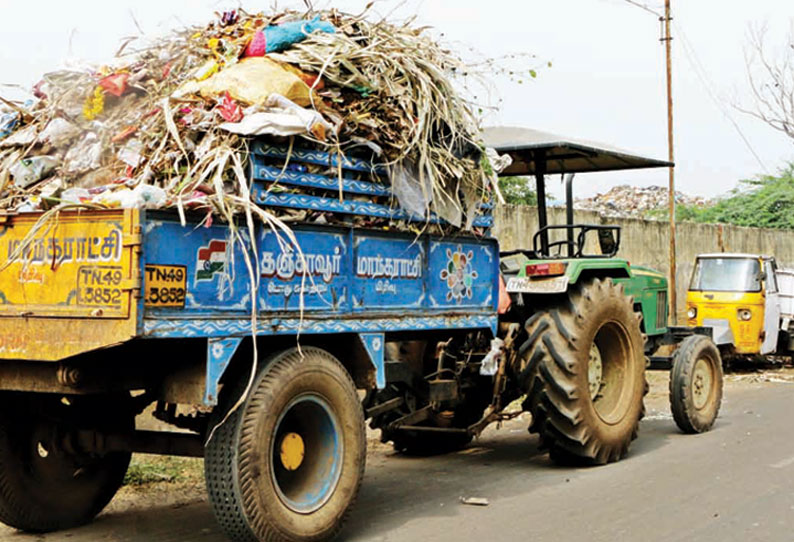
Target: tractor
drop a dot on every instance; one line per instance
(577, 328)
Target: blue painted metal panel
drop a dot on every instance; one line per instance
(389, 272)
(321, 271)
(261, 172)
(267, 170)
(346, 272)
(374, 344)
(462, 274)
(260, 195)
(217, 277)
(321, 158)
(219, 354)
(230, 326)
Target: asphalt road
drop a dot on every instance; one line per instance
(733, 483)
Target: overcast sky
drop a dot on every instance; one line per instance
(606, 82)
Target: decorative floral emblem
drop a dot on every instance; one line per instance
(459, 274)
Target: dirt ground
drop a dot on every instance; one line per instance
(178, 482)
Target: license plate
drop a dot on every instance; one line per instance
(166, 285)
(525, 285)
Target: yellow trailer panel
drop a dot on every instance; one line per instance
(69, 284)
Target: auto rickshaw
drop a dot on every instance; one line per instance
(737, 296)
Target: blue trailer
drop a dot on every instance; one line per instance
(106, 312)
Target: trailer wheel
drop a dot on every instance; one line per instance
(696, 384)
(584, 372)
(44, 484)
(287, 464)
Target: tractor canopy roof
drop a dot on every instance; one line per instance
(561, 154)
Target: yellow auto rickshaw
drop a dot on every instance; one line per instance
(737, 296)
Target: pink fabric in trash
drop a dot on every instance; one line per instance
(257, 46)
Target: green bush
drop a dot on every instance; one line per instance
(764, 202)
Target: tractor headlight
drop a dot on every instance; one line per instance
(691, 313)
(745, 314)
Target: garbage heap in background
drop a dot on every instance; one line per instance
(168, 125)
(625, 201)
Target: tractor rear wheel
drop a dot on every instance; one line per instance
(584, 372)
(696, 384)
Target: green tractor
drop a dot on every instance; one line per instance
(578, 327)
(591, 313)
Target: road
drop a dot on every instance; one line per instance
(733, 483)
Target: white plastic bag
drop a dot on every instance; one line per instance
(29, 170)
(59, 132)
(408, 189)
(278, 116)
(490, 363)
(143, 196)
(85, 155)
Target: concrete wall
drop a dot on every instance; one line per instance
(646, 242)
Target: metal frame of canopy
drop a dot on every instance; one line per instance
(539, 153)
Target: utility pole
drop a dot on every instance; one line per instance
(670, 156)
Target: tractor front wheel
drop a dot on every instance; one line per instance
(696, 384)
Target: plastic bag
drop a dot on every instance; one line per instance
(149, 196)
(59, 132)
(253, 80)
(499, 163)
(490, 363)
(75, 195)
(410, 193)
(230, 110)
(85, 155)
(280, 117)
(280, 37)
(31, 204)
(20, 138)
(258, 45)
(143, 196)
(8, 121)
(29, 170)
(115, 84)
(131, 153)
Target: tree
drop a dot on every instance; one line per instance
(771, 79)
(518, 190)
(764, 202)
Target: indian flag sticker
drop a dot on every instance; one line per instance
(211, 260)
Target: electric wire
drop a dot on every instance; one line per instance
(705, 80)
(708, 85)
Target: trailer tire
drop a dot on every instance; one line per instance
(583, 370)
(45, 487)
(696, 384)
(288, 462)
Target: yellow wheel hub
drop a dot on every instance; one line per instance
(292, 451)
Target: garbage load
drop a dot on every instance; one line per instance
(170, 124)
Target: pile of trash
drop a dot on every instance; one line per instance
(625, 201)
(169, 123)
